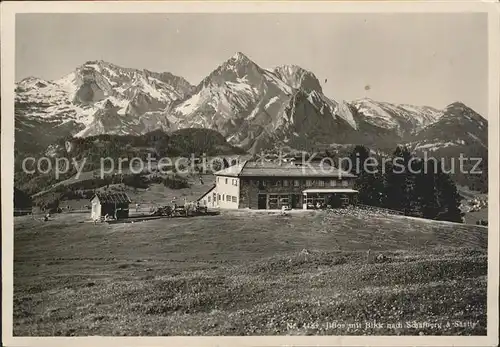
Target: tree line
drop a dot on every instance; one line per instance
(406, 184)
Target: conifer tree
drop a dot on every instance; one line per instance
(448, 198)
(369, 180)
(398, 182)
(425, 192)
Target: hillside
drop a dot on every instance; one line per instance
(89, 151)
(271, 275)
(183, 142)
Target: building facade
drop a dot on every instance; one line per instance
(209, 199)
(271, 186)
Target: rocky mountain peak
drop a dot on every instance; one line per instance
(237, 62)
(298, 78)
(236, 68)
(239, 56)
(458, 107)
(32, 82)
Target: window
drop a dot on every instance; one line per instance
(321, 183)
(218, 179)
(308, 183)
(234, 199)
(345, 183)
(283, 201)
(277, 183)
(285, 183)
(333, 183)
(273, 202)
(313, 199)
(236, 182)
(218, 196)
(309, 200)
(226, 180)
(208, 199)
(296, 183)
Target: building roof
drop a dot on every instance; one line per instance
(113, 198)
(207, 192)
(232, 171)
(330, 190)
(284, 169)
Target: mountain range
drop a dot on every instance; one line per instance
(252, 107)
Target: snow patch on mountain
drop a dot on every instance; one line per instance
(190, 104)
(346, 114)
(403, 119)
(271, 77)
(477, 139)
(434, 146)
(271, 101)
(376, 114)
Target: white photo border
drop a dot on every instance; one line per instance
(8, 12)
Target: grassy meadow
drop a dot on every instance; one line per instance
(249, 273)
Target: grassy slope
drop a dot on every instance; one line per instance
(474, 216)
(244, 273)
(157, 194)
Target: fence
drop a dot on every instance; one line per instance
(22, 211)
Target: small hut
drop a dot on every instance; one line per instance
(115, 205)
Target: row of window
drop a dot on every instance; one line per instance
(277, 201)
(234, 181)
(228, 198)
(308, 183)
(294, 183)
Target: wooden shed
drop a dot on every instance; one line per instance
(115, 205)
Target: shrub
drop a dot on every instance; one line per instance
(135, 181)
(49, 201)
(176, 182)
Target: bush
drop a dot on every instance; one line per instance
(135, 181)
(49, 201)
(176, 182)
(155, 179)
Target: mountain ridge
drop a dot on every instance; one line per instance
(252, 107)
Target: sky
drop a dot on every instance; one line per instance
(420, 59)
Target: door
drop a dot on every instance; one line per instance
(335, 201)
(295, 200)
(262, 202)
